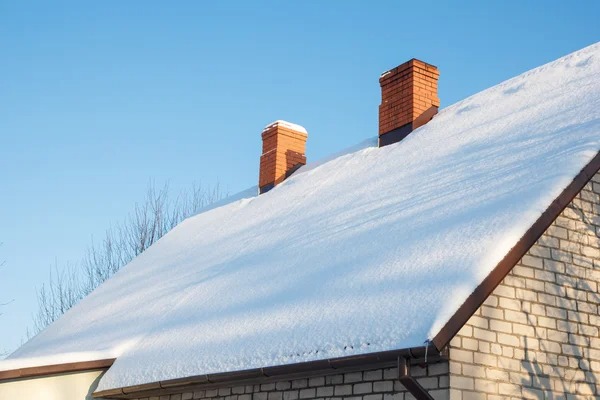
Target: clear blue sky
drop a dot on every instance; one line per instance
(98, 98)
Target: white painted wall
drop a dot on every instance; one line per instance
(73, 386)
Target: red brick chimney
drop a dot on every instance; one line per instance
(409, 99)
(283, 152)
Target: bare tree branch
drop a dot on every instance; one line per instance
(148, 222)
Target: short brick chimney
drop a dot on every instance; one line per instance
(283, 152)
(409, 99)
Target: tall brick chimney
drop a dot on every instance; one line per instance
(409, 99)
(283, 152)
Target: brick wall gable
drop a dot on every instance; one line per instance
(537, 335)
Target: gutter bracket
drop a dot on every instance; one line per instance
(409, 382)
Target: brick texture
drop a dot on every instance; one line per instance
(407, 91)
(371, 384)
(283, 150)
(537, 335)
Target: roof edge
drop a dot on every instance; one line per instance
(286, 371)
(493, 279)
(53, 369)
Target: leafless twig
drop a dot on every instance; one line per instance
(148, 222)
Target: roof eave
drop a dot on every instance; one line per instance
(54, 369)
(267, 374)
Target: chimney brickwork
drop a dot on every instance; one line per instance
(283, 151)
(409, 99)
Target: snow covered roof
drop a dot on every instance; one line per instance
(371, 250)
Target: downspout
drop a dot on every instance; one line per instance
(410, 383)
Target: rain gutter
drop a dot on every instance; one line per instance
(277, 373)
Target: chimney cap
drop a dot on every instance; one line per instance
(413, 61)
(288, 125)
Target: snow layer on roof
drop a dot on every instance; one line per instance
(372, 250)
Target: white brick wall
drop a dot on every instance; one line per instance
(373, 384)
(537, 336)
